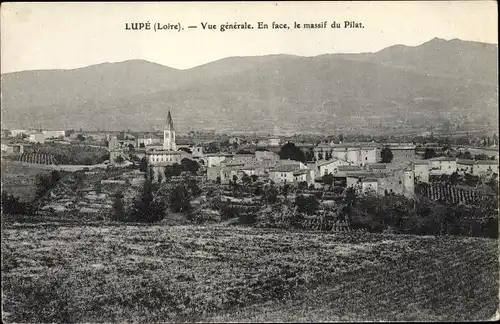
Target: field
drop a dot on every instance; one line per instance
(116, 273)
(20, 180)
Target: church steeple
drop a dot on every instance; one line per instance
(169, 135)
(169, 125)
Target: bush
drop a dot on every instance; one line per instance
(118, 209)
(247, 218)
(12, 205)
(146, 208)
(45, 182)
(179, 199)
(306, 204)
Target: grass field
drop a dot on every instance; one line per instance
(20, 180)
(123, 273)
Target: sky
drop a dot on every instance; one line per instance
(71, 35)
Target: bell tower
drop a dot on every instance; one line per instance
(169, 135)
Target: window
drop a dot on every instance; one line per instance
(366, 158)
(399, 181)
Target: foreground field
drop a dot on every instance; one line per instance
(55, 273)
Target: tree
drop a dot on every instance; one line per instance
(306, 204)
(179, 199)
(119, 159)
(12, 205)
(189, 165)
(194, 188)
(386, 155)
(254, 177)
(285, 189)
(118, 209)
(146, 208)
(246, 179)
(309, 155)
(44, 183)
(302, 185)
(429, 153)
(143, 164)
(173, 170)
(270, 195)
(454, 178)
(290, 151)
(328, 179)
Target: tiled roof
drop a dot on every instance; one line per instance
(366, 175)
(325, 162)
(478, 162)
(349, 168)
(300, 172)
(378, 166)
(285, 168)
(443, 158)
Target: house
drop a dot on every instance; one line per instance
(197, 151)
(369, 185)
(215, 159)
(54, 133)
(13, 148)
(266, 156)
(17, 132)
(478, 167)
(283, 173)
(329, 167)
(401, 152)
(376, 167)
(300, 176)
(37, 137)
(421, 170)
(442, 165)
(355, 153)
(396, 182)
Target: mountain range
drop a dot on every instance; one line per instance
(436, 82)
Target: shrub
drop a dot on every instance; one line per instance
(179, 198)
(306, 204)
(12, 205)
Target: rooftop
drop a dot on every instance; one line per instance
(325, 162)
(377, 166)
(443, 158)
(366, 175)
(349, 168)
(300, 172)
(477, 162)
(284, 168)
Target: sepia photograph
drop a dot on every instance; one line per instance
(224, 162)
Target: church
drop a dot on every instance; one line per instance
(168, 153)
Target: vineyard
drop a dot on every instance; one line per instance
(148, 274)
(72, 154)
(36, 158)
(458, 195)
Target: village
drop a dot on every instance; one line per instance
(117, 164)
